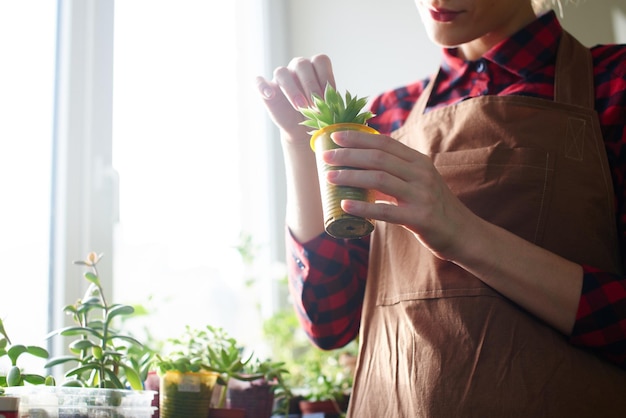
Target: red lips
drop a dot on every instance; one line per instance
(443, 15)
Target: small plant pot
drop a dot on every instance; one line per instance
(337, 222)
(329, 408)
(256, 397)
(186, 394)
(153, 383)
(9, 406)
(227, 413)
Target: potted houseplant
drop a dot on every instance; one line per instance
(186, 387)
(99, 352)
(257, 387)
(329, 114)
(104, 378)
(238, 377)
(16, 376)
(315, 375)
(326, 393)
(209, 351)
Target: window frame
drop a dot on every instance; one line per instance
(84, 199)
(84, 205)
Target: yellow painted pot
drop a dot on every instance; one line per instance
(337, 222)
(186, 394)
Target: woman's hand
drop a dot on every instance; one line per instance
(291, 88)
(419, 199)
(410, 191)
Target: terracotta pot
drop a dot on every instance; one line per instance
(227, 413)
(329, 407)
(256, 397)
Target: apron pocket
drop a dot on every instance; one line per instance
(509, 187)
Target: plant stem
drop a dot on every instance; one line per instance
(105, 330)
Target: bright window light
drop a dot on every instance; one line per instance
(176, 151)
(27, 49)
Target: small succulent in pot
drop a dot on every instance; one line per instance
(333, 108)
(330, 114)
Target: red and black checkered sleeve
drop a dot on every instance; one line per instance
(601, 319)
(327, 283)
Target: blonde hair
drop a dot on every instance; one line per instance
(543, 5)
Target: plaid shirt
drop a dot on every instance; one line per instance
(327, 276)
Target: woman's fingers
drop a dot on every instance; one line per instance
(291, 88)
(361, 140)
(378, 154)
(324, 70)
(304, 77)
(400, 175)
(278, 105)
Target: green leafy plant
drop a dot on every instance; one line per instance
(16, 375)
(275, 374)
(317, 374)
(212, 348)
(100, 351)
(141, 356)
(321, 385)
(333, 108)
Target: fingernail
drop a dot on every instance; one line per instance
(329, 155)
(299, 101)
(267, 91)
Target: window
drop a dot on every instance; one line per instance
(27, 48)
(178, 153)
(145, 114)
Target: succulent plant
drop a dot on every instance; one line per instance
(16, 376)
(333, 108)
(99, 350)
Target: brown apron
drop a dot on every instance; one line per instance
(435, 340)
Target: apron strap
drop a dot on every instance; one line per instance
(574, 67)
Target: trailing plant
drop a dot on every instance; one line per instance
(99, 351)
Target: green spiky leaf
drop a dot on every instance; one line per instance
(333, 108)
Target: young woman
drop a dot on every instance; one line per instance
(493, 284)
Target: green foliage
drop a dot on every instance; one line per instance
(320, 374)
(332, 108)
(276, 374)
(212, 348)
(16, 375)
(101, 355)
(322, 385)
